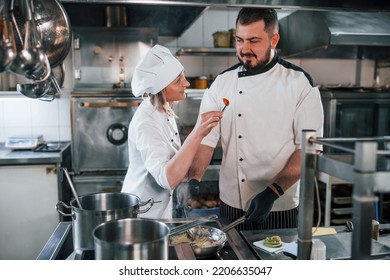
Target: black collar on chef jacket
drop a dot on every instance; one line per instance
(263, 69)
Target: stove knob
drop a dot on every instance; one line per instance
(117, 134)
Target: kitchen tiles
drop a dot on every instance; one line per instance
(20, 116)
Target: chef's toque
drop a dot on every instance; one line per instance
(156, 70)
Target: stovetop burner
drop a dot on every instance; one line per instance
(226, 253)
(90, 254)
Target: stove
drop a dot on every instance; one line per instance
(60, 245)
(175, 252)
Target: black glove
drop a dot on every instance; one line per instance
(261, 205)
(194, 187)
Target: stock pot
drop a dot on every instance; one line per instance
(131, 239)
(99, 208)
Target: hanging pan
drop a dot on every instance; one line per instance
(52, 23)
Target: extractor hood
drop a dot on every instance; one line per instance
(170, 20)
(323, 29)
(335, 34)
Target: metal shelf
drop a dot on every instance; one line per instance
(341, 166)
(206, 51)
(365, 166)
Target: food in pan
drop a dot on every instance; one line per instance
(180, 238)
(200, 238)
(204, 240)
(273, 241)
(205, 243)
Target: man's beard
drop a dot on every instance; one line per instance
(259, 65)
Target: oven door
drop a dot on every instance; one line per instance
(356, 114)
(99, 132)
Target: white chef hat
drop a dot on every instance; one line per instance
(157, 69)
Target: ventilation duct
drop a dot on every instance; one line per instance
(335, 34)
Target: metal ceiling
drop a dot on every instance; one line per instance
(348, 5)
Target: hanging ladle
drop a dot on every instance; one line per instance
(32, 61)
(72, 187)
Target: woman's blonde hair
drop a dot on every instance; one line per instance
(160, 103)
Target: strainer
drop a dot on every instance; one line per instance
(52, 23)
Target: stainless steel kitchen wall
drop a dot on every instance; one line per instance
(106, 57)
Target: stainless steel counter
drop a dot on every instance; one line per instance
(14, 157)
(338, 246)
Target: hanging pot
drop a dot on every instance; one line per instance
(52, 24)
(99, 208)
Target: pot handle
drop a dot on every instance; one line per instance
(58, 208)
(151, 201)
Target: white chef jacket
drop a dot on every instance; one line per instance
(261, 127)
(153, 139)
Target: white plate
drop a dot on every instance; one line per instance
(260, 244)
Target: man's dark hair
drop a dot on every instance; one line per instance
(250, 15)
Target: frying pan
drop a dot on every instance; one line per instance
(214, 234)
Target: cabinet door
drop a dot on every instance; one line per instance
(27, 209)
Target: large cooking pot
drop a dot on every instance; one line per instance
(99, 208)
(131, 239)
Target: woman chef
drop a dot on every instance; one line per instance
(158, 162)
